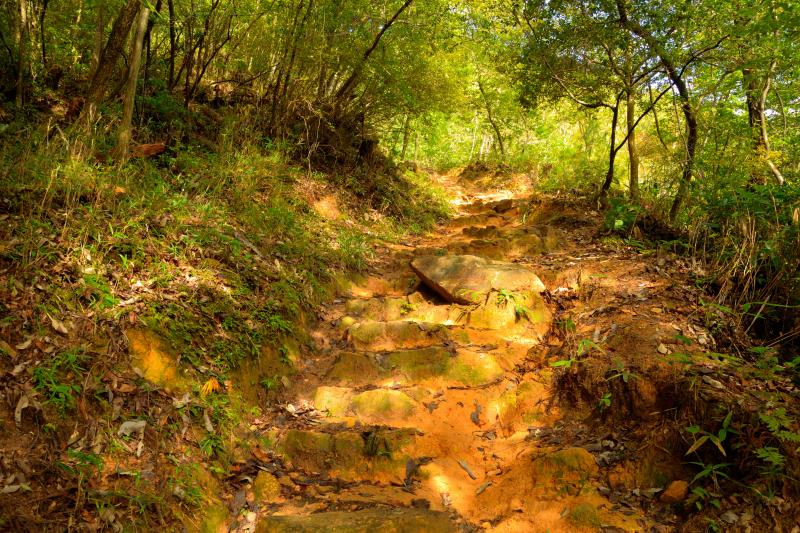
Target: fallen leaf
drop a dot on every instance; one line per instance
(260, 454)
(23, 402)
(4, 346)
(126, 429)
(58, 326)
(25, 345)
(207, 422)
(180, 403)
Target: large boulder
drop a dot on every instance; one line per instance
(467, 279)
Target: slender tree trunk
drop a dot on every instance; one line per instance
(22, 58)
(474, 138)
(97, 49)
(147, 42)
(172, 45)
(756, 100)
(406, 136)
(491, 119)
(686, 103)
(110, 55)
(42, 36)
(124, 134)
(764, 137)
(350, 82)
(633, 151)
(612, 156)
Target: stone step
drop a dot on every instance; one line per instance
(377, 456)
(376, 406)
(435, 366)
(494, 312)
(504, 406)
(383, 519)
(397, 334)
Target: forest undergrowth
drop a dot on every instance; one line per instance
(226, 255)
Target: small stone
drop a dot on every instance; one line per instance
(251, 516)
(286, 482)
(662, 349)
(676, 492)
(730, 517)
(516, 505)
(713, 382)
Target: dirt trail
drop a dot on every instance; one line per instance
(415, 414)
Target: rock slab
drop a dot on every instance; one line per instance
(467, 279)
(366, 521)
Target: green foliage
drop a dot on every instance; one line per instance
(56, 378)
(620, 216)
(716, 439)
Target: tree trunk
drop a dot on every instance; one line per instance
(612, 156)
(686, 104)
(110, 54)
(124, 135)
(633, 151)
(97, 49)
(42, 36)
(406, 136)
(172, 45)
(756, 101)
(349, 84)
(147, 43)
(22, 58)
(491, 120)
(474, 138)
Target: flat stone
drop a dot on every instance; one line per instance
(465, 367)
(467, 279)
(380, 405)
(368, 520)
(334, 400)
(387, 336)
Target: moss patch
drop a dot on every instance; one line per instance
(383, 405)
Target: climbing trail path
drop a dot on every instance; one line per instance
(478, 379)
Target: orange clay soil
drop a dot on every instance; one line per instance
(444, 417)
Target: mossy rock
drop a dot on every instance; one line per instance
(354, 369)
(214, 518)
(387, 336)
(379, 455)
(473, 368)
(335, 400)
(266, 488)
(388, 308)
(418, 364)
(315, 451)
(585, 515)
(366, 521)
(569, 464)
(381, 405)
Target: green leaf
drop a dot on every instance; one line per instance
(699, 442)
